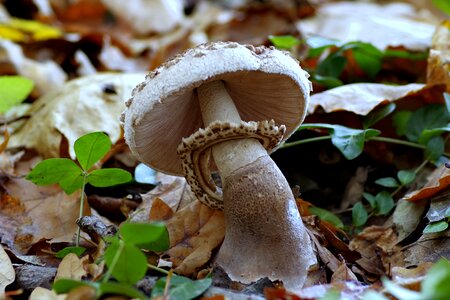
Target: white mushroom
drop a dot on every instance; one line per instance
(232, 91)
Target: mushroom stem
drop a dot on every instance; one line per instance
(217, 105)
(265, 236)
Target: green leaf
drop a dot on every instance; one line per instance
(359, 215)
(327, 81)
(387, 182)
(72, 182)
(53, 170)
(332, 66)
(348, 140)
(400, 292)
(436, 227)
(181, 288)
(326, 215)
(13, 90)
(75, 250)
(63, 286)
(108, 177)
(436, 283)
(435, 148)
(130, 264)
(427, 134)
(400, 121)
(374, 116)
(405, 54)
(371, 199)
(367, 57)
(406, 176)
(385, 203)
(153, 236)
(447, 213)
(331, 294)
(443, 5)
(90, 148)
(426, 117)
(284, 41)
(117, 288)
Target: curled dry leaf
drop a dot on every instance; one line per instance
(438, 69)
(84, 105)
(428, 248)
(438, 181)
(195, 231)
(392, 24)
(376, 245)
(72, 267)
(7, 274)
(360, 98)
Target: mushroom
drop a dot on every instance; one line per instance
(237, 103)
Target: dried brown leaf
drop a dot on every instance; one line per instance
(439, 181)
(360, 98)
(7, 274)
(195, 231)
(72, 267)
(67, 113)
(438, 69)
(38, 212)
(429, 248)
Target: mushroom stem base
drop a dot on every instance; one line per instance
(265, 236)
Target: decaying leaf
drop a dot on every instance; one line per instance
(88, 104)
(438, 69)
(376, 245)
(439, 181)
(392, 24)
(428, 248)
(39, 213)
(360, 98)
(195, 231)
(40, 293)
(47, 75)
(407, 216)
(173, 190)
(7, 274)
(72, 267)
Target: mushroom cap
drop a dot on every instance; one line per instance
(264, 83)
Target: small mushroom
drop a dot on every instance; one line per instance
(238, 103)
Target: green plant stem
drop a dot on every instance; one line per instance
(158, 269)
(80, 214)
(305, 141)
(375, 138)
(114, 261)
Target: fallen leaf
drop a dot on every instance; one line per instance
(428, 248)
(376, 245)
(438, 181)
(360, 98)
(393, 24)
(343, 273)
(407, 216)
(40, 293)
(84, 105)
(47, 75)
(72, 267)
(39, 212)
(195, 231)
(7, 274)
(438, 69)
(173, 190)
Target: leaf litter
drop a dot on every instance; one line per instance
(355, 253)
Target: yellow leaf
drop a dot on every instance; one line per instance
(38, 31)
(12, 34)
